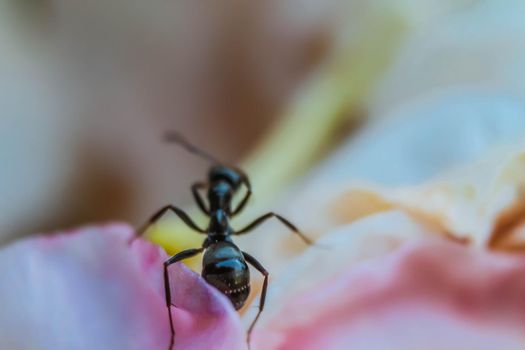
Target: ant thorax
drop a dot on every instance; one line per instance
(220, 196)
(219, 226)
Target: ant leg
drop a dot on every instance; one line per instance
(248, 185)
(251, 260)
(177, 257)
(242, 203)
(179, 212)
(200, 202)
(265, 217)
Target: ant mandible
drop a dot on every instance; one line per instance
(224, 264)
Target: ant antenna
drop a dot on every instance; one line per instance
(174, 137)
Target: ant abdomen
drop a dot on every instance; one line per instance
(224, 268)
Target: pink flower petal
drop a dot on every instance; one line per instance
(89, 289)
(425, 296)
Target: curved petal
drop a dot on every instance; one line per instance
(90, 289)
(438, 295)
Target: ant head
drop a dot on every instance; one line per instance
(225, 173)
(225, 269)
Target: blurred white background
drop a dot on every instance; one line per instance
(87, 88)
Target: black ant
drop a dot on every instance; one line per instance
(224, 264)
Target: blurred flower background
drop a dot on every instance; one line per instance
(88, 88)
(337, 110)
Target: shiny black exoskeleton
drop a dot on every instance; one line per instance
(225, 266)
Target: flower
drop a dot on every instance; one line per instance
(92, 289)
(405, 260)
(432, 295)
(386, 282)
